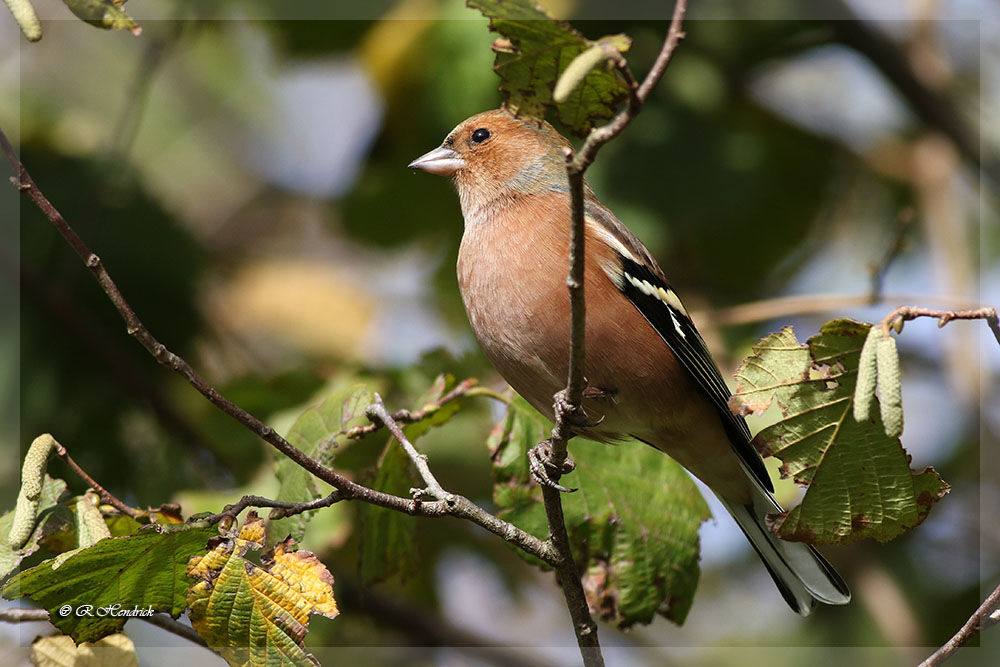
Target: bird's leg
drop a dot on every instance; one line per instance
(574, 415)
(542, 469)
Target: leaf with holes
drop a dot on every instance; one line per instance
(859, 479)
(633, 523)
(536, 49)
(254, 615)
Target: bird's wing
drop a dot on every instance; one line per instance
(641, 281)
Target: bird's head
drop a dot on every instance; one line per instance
(496, 154)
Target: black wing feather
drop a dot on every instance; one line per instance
(679, 333)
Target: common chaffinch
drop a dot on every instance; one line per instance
(649, 372)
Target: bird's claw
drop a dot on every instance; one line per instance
(573, 415)
(542, 469)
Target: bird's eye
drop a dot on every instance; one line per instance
(480, 135)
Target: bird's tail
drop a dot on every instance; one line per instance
(802, 575)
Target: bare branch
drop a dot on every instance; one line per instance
(164, 622)
(460, 507)
(69, 317)
(463, 388)
(895, 319)
(568, 410)
(784, 306)
(983, 617)
(378, 411)
(602, 135)
(281, 509)
(105, 495)
(159, 620)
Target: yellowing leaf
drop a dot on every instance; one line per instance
(257, 615)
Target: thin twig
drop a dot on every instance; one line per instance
(981, 619)
(281, 509)
(105, 495)
(410, 417)
(902, 314)
(378, 411)
(785, 306)
(904, 222)
(605, 133)
(164, 622)
(568, 402)
(159, 620)
(461, 507)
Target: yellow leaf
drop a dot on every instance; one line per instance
(257, 615)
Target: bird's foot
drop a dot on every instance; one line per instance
(543, 469)
(574, 415)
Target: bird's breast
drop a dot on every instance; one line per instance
(512, 268)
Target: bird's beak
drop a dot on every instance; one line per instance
(442, 161)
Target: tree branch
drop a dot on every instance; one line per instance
(105, 495)
(68, 317)
(281, 508)
(460, 507)
(159, 620)
(895, 319)
(164, 622)
(568, 409)
(784, 306)
(463, 388)
(983, 618)
(378, 411)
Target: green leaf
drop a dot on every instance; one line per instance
(387, 536)
(434, 414)
(50, 517)
(633, 523)
(257, 615)
(319, 432)
(145, 570)
(538, 48)
(859, 479)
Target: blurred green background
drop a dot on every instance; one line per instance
(243, 175)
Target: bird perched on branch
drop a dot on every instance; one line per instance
(648, 372)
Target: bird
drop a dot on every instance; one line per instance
(648, 372)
